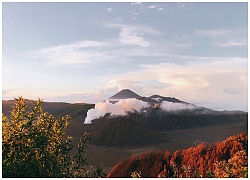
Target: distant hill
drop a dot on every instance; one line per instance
(51, 107)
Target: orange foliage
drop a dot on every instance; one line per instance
(237, 166)
(196, 161)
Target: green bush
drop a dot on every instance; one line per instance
(35, 144)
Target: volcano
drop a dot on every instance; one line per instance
(123, 131)
(123, 94)
(138, 127)
(154, 99)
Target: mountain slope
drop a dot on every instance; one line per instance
(159, 120)
(122, 131)
(156, 119)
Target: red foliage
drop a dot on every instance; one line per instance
(183, 163)
(125, 167)
(149, 163)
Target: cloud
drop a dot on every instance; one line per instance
(232, 43)
(110, 9)
(220, 37)
(159, 7)
(133, 35)
(221, 33)
(132, 42)
(74, 98)
(75, 53)
(135, 13)
(118, 85)
(170, 106)
(152, 6)
(128, 35)
(88, 52)
(212, 32)
(181, 5)
(218, 81)
(136, 3)
(142, 30)
(221, 81)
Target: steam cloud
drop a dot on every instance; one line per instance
(119, 108)
(170, 106)
(127, 105)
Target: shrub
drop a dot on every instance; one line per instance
(236, 167)
(35, 144)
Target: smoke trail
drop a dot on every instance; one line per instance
(119, 108)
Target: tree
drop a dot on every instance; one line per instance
(35, 144)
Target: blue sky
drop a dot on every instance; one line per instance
(86, 52)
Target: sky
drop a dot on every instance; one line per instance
(87, 52)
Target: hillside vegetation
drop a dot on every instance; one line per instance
(228, 158)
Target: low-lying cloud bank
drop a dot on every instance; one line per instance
(127, 105)
(171, 106)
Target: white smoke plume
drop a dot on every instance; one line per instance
(171, 106)
(126, 105)
(119, 108)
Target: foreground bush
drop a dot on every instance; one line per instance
(35, 144)
(237, 166)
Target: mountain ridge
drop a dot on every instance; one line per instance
(154, 99)
(153, 118)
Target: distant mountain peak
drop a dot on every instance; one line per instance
(154, 99)
(125, 94)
